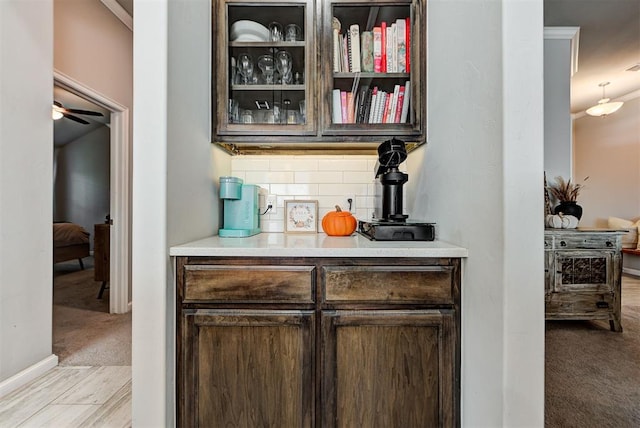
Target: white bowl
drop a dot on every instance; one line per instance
(246, 27)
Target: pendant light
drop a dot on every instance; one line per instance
(604, 107)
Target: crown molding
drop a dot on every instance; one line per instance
(566, 33)
(119, 12)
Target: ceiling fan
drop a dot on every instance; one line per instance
(59, 111)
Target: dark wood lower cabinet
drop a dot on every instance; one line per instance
(388, 369)
(369, 345)
(250, 368)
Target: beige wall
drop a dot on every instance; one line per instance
(94, 47)
(607, 150)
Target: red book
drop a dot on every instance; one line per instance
(398, 113)
(383, 65)
(407, 29)
(385, 112)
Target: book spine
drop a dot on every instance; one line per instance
(405, 104)
(408, 43)
(399, 105)
(385, 110)
(402, 45)
(393, 49)
(383, 42)
(372, 105)
(345, 52)
(336, 110)
(391, 117)
(377, 49)
(350, 106)
(354, 52)
(336, 51)
(343, 106)
(366, 47)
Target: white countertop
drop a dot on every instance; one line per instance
(314, 245)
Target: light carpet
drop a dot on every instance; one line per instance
(84, 332)
(592, 375)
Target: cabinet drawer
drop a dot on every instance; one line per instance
(389, 284)
(586, 242)
(264, 284)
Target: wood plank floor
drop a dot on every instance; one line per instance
(71, 397)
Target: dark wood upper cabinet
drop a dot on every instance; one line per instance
(303, 92)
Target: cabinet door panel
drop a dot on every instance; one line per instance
(388, 369)
(249, 368)
(584, 270)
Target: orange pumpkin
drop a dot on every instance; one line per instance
(339, 223)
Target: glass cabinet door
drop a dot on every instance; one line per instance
(374, 55)
(263, 68)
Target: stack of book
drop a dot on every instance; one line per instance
(372, 105)
(384, 49)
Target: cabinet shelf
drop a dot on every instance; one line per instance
(343, 75)
(267, 87)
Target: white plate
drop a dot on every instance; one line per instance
(243, 27)
(248, 38)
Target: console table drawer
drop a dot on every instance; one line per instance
(226, 283)
(389, 284)
(586, 242)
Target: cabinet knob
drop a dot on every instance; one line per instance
(563, 244)
(609, 244)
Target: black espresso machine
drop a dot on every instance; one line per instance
(389, 223)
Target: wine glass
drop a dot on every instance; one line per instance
(284, 64)
(245, 67)
(267, 65)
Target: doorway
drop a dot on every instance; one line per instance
(119, 191)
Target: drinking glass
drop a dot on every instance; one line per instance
(292, 33)
(275, 32)
(245, 67)
(283, 65)
(303, 110)
(267, 65)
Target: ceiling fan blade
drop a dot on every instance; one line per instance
(84, 112)
(75, 119)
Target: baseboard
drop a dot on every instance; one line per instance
(630, 271)
(28, 374)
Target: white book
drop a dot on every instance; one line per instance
(372, 107)
(389, 43)
(336, 107)
(394, 104)
(401, 29)
(336, 50)
(405, 104)
(354, 53)
(382, 99)
(394, 48)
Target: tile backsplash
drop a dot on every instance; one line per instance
(328, 179)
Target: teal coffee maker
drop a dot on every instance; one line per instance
(241, 208)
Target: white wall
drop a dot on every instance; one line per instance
(174, 197)
(481, 182)
(81, 187)
(607, 150)
(481, 175)
(558, 124)
(26, 168)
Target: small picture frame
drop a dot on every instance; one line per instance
(300, 216)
